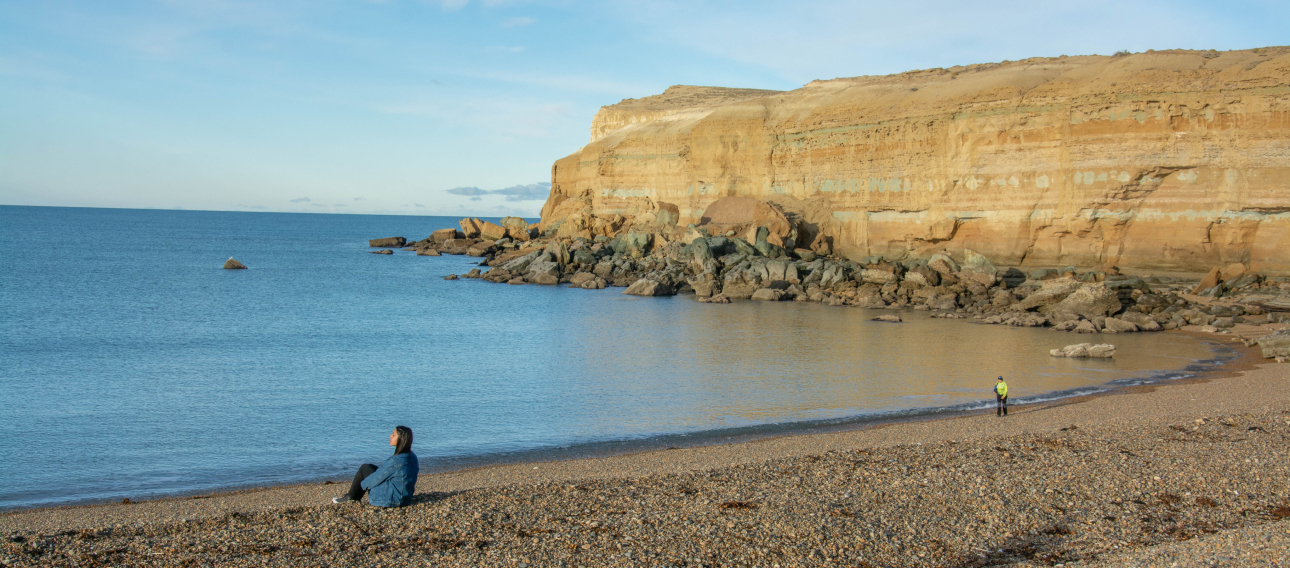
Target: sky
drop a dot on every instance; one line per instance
(459, 107)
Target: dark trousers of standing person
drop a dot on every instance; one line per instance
(356, 490)
(1001, 409)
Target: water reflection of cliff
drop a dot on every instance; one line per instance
(665, 365)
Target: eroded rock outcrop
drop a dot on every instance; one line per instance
(1167, 160)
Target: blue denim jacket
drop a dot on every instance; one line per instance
(393, 484)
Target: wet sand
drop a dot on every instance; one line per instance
(1203, 463)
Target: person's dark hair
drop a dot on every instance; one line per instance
(403, 444)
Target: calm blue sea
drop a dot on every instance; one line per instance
(132, 365)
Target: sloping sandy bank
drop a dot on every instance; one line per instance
(1113, 477)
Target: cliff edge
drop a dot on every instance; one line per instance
(1172, 161)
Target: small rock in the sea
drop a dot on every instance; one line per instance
(450, 277)
(233, 264)
(1102, 350)
(715, 299)
(888, 318)
(383, 251)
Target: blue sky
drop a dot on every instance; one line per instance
(456, 107)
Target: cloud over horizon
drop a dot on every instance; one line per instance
(531, 192)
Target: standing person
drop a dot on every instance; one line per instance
(1001, 398)
(393, 483)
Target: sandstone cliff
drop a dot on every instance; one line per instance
(1164, 161)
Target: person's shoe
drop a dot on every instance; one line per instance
(341, 499)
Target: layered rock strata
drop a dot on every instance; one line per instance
(1165, 161)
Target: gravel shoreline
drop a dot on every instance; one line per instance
(1193, 473)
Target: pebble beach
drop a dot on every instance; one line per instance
(1184, 474)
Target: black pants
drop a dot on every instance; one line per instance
(1001, 409)
(356, 490)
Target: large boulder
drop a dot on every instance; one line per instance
(1214, 278)
(1232, 272)
(521, 264)
(580, 278)
(974, 262)
(705, 285)
(389, 242)
(1276, 346)
(924, 276)
(768, 295)
(1116, 325)
(491, 231)
(469, 227)
(943, 302)
(1090, 301)
(879, 277)
(647, 287)
(516, 228)
(480, 249)
(632, 242)
(942, 263)
(233, 264)
(542, 266)
(738, 213)
(1143, 321)
(442, 235)
(1052, 292)
(778, 270)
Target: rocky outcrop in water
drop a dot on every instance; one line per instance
(1163, 161)
(720, 268)
(390, 242)
(233, 264)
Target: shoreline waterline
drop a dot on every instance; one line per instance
(1228, 359)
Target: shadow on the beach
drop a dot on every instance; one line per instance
(431, 497)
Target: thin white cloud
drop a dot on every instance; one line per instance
(518, 22)
(300, 200)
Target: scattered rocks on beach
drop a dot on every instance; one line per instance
(889, 318)
(233, 264)
(1101, 350)
(1276, 345)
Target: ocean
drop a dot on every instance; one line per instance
(135, 367)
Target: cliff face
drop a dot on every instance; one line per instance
(1166, 161)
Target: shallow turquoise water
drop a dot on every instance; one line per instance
(134, 366)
